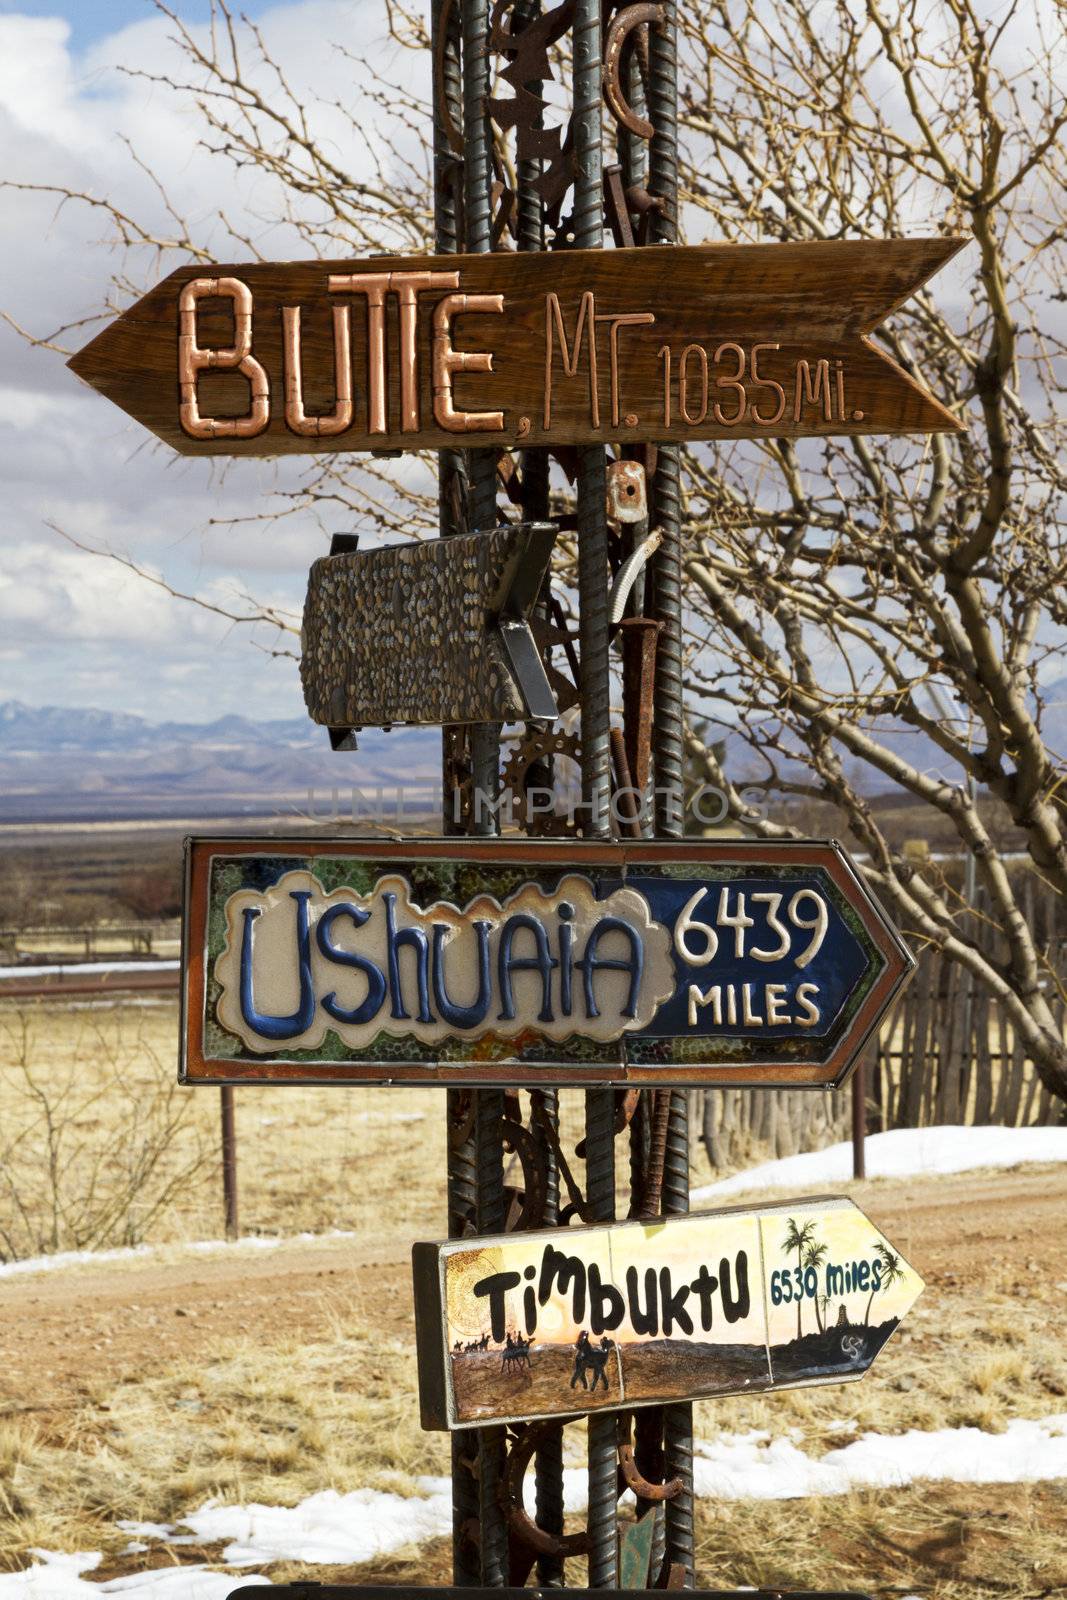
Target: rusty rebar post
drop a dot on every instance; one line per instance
(592, 467)
(477, 208)
(595, 725)
(859, 1118)
(548, 1460)
(446, 47)
(489, 1217)
(603, 1442)
(666, 487)
(481, 464)
(678, 1419)
(485, 753)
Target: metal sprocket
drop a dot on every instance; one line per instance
(540, 744)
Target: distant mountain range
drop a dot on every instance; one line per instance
(77, 764)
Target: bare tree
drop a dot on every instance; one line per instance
(835, 588)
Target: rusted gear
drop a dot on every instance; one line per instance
(539, 745)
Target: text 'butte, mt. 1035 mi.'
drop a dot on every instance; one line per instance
(727, 341)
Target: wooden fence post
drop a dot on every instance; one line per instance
(229, 1161)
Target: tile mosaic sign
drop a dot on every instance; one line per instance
(511, 961)
(428, 632)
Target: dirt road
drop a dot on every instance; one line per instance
(62, 1330)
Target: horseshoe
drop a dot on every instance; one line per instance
(621, 27)
(535, 1180)
(633, 1479)
(520, 1522)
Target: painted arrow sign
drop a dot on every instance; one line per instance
(504, 960)
(428, 633)
(569, 347)
(547, 1324)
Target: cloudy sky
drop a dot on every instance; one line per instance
(75, 630)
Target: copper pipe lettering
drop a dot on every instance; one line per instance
(635, 319)
(447, 362)
(683, 383)
(375, 285)
(732, 383)
(767, 383)
(571, 354)
(664, 354)
(194, 358)
(340, 418)
(406, 286)
(806, 391)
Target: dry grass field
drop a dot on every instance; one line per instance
(136, 1389)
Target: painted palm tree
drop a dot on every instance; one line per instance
(891, 1273)
(799, 1239)
(814, 1256)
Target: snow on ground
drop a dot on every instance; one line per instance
(901, 1153)
(344, 1529)
(146, 1252)
(58, 1577)
(327, 1527)
(753, 1466)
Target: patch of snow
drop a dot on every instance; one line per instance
(328, 1527)
(901, 1153)
(59, 1577)
(135, 1252)
(749, 1467)
(364, 1524)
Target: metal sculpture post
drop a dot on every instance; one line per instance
(511, 368)
(476, 210)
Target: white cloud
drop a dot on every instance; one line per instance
(73, 626)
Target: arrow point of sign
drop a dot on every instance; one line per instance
(830, 1323)
(911, 263)
(932, 416)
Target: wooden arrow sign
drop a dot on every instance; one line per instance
(571, 347)
(549, 1324)
(473, 961)
(429, 632)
